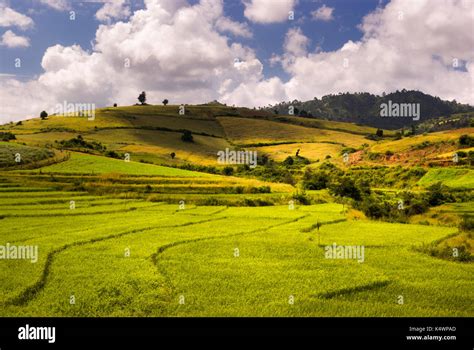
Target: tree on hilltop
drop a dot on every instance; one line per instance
(142, 98)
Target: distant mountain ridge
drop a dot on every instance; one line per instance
(364, 108)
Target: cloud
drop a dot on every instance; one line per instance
(170, 49)
(256, 93)
(296, 43)
(11, 18)
(10, 39)
(59, 5)
(268, 11)
(118, 9)
(414, 50)
(324, 13)
(225, 24)
(175, 50)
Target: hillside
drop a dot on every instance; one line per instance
(364, 109)
(89, 191)
(153, 135)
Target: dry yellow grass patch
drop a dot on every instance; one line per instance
(312, 151)
(248, 131)
(406, 143)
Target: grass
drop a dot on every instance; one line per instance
(10, 152)
(231, 251)
(452, 177)
(251, 131)
(312, 151)
(161, 144)
(89, 164)
(191, 254)
(407, 143)
(332, 125)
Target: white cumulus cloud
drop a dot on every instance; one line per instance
(170, 49)
(324, 13)
(118, 9)
(10, 39)
(414, 50)
(59, 5)
(268, 11)
(12, 18)
(175, 50)
(225, 24)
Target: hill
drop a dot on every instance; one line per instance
(364, 108)
(132, 217)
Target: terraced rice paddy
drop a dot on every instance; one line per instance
(118, 257)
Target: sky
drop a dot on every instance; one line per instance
(242, 52)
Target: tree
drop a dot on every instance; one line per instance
(466, 140)
(345, 187)
(142, 97)
(165, 102)
(228, 170)
(43, 115)
(115, 105)
(172, 155)
(379, 133)
(288, 161)
(187, 136)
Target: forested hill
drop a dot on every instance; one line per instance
(364, 108)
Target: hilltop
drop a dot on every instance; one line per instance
(364, 109)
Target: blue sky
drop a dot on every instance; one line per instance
(54, 27)
(243, 52)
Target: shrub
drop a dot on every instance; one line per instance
(288, 161)
(467, 223)
(466, 140)
(187, 136)
(7, 136)
(228, 170)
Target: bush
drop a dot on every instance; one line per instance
(439, 194)
(79, 142)
(345, 187)
(288, 161)
(466, 141)
(187, 136)
(228, 170)
(301, 197)
(348, 150)
(467, 223)
(316, 181)
(7, 136)
(113, 154)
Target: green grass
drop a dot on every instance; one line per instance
(11, 152)
(191, 254)
(452, 177)
(89, 164)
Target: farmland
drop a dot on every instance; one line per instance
(131, 220)
(190, 254)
